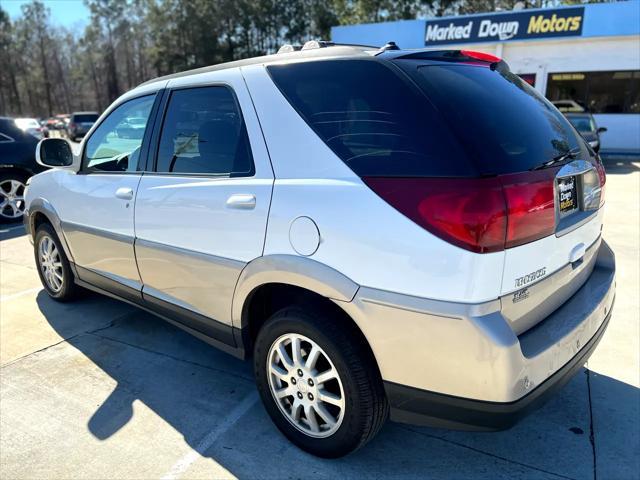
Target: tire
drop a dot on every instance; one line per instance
(358, 384)
(62, 287)
(12, 185)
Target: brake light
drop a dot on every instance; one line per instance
(481, 215)
(530, 201)
(72, 125)
(485, 57)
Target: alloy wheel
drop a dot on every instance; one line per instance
(305, 385)
(50, 263)
(11, 198)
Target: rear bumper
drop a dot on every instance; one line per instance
(421, 407)
(462, 366)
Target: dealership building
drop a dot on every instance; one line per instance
(588, 54)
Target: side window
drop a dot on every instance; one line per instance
(115, 145)
(204, 133)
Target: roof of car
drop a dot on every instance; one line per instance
(333, 51)
(84, 113)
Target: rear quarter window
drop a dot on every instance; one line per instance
(372, 117)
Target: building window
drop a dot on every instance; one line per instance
(597, 92)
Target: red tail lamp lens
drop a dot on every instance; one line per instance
(469, 213)
(481, 215)
(603, 180)
(530, 206)
(485, 57)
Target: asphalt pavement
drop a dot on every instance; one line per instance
(98, 389)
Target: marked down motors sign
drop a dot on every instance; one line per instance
(519, 25)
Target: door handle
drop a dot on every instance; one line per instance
(242, 201)
(124, 193)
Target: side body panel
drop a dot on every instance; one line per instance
(192, 242)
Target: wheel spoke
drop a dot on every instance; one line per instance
(283, 392)
(296, 410)
(279, 373)
(311, 418)
(326, 376)
(284, 356)
(331, 398)
(296, 352)
(312, 358)
(325, 415)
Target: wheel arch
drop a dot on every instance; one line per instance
(274, 281)
(40, 210)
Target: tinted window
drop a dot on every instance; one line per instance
(85, 118)
(372, 117)
(112, 147)
(505, 125)
(203, 133)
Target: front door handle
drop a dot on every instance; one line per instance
(242, 201)
(124, 193)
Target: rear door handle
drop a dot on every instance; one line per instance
(242, 201)
(124, 193)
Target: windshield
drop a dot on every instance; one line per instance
(505, 125)
(583, 124)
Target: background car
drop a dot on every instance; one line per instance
(132, 127)
(568, 106)
(17, 164)
(586, 125)
(31, 126)
(80, 123)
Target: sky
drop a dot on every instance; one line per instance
(68, 13)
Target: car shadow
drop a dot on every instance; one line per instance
(194, 388)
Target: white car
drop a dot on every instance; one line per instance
(31, 126)
(412, 234)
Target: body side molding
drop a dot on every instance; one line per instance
(291, 270)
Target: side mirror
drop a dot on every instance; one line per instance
(602, 129)
(55, 152)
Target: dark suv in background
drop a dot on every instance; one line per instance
(80, 124)
(17, 164)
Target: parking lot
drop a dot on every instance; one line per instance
(98, 389)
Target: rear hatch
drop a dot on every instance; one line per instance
(470, 152)
(551, 179)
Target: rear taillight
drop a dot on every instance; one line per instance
(72, 125)
(482, 215)
(530, 206)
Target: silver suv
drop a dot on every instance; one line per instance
(385, 232)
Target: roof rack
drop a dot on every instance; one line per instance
(315, 44)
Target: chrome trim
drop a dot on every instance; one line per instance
(577, 167)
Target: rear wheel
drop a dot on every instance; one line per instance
(54, 268)
(12, 187)
(318, 381)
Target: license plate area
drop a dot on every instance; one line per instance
(567, 195)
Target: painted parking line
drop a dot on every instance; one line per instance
(6, 298)
(185, 462)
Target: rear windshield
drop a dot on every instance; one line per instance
(85, 118)
(504, 123)
(451, 120)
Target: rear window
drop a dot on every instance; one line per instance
(372, 117)
(505, 125)
(85, 118)
(583, 124)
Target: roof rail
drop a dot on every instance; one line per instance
(288, 48)
(313, 44)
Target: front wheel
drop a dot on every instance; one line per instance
(54, 268)
(319, 381)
